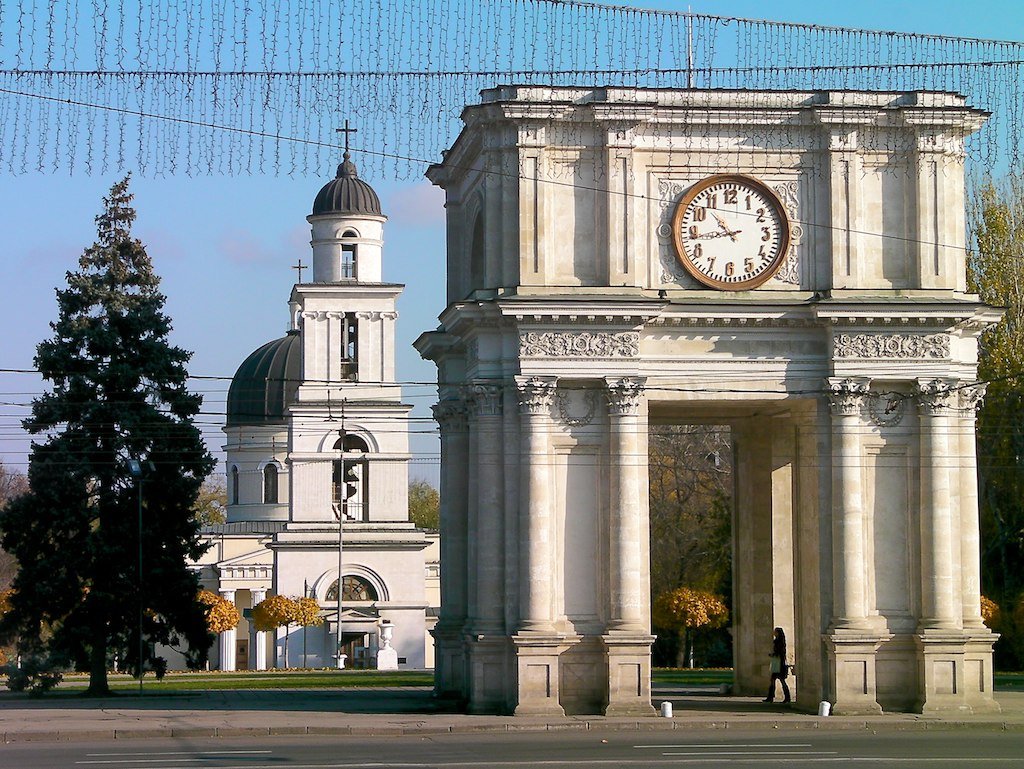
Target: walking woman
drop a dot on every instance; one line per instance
(778, 667)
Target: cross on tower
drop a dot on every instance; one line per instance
(300, 267)
(346, 130)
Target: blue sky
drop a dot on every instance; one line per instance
(225, 246)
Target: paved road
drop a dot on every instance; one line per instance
(759, 748)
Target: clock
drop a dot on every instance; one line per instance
(730, 232)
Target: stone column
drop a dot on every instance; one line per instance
(970, 535)
(853, 640)
(259, 637)
(940, 609)
(628, 640)
(629, 594)
(485, 628)
(227, 638)
(449, 657)
(537, 643)
(940, 638)
(979, 639)
(847, 398)
(537, 528)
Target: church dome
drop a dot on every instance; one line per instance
(265, 383)
(347, 194)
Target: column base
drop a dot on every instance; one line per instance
(538, 673)
(852, 670)
(629, 674)
(449, 663)
(955, 672)
(488, 668)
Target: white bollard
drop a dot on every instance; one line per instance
(666, 710)
(824, 708)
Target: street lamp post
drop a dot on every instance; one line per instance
(135, 467)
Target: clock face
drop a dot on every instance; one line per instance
(730, 232)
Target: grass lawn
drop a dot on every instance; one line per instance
(264, 679)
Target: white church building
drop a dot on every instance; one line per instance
(317, 432)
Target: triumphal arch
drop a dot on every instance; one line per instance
(791, 264)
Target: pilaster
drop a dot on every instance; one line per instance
(449, 654)
(485, 639)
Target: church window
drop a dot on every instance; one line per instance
(353, 589)
(348, 260)
(270, 484)
(349, 348)
(349, 479)
(234, 485)
(348, 255)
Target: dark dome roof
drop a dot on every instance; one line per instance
(347, 194)
(265, 383)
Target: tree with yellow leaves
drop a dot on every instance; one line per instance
(221, 614)
(276, 611)
(307, 614)
(687, 610)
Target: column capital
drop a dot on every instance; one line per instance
(937, 397)
(485, 399)
(971, 397)
(846, 395)
(227, 594)
(624, 395)
(451, 414)
(536, 394)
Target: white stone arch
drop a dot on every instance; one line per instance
(330, 438)
(329, 577)
(476, 251)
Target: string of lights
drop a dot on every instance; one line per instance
(402, 70)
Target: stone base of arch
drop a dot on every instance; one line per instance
(629, 674)
(852, 657)
(538, 673)
(955, 669)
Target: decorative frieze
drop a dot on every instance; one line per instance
(623, 395)
(846, 396)
(536, 395)
(904, 346)
(581, 344)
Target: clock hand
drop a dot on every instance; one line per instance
(731, 233)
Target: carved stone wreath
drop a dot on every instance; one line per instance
(886, 409)
(565, 402)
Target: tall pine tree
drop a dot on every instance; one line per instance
(117, 393)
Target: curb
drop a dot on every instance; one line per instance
(84, 735)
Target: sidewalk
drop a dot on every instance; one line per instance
(382, 711)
